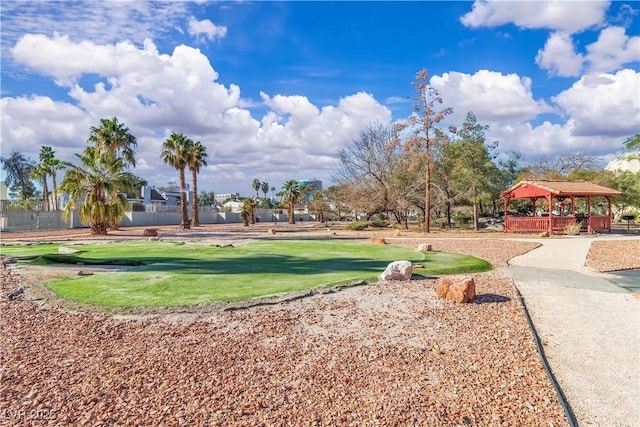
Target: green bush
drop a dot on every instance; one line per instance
(379, 224)
(462, 218)
(358, 225)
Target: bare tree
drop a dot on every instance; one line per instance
(426, 137)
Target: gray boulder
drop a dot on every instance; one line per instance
(398, 270)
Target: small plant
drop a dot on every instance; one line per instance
(358, 225)
(572, 228)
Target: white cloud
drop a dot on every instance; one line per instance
(559, 56)
(65, 60)
(155, 93)
(566, 16)
(612, 50)
(548, 140)
(100, 21)
(604, 104)
(30, 122)
(492, 96)
(206, 29)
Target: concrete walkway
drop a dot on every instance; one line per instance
(589, 324)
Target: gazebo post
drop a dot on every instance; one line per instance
(506, 206)
(589, 229)
(550, 199)
(610, 213)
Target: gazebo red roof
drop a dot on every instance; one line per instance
(541, 188)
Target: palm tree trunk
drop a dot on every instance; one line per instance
(113, 220)
(45, 194)
(184, 212)
(55, 191)
(194, 207)
(292, 218)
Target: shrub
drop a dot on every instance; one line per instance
(463, 218)
(572, 228)
(358, 225)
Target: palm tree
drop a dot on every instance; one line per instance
(41, 173)
(265, 189)
(97, 177)
(246, 210)
(114, 138)
(196, 159)
(290, 194)
(256, 186)
(252, 203)
(175, 152)
(50, 166)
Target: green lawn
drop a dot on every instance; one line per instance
(175, 274)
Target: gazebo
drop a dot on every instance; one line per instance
(558, 194)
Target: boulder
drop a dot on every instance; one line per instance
(377, 240)
(464, 291)
(150, 232)
(398, 270)
(424, 247)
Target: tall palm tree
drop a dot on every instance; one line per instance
(265, 189)
(97, 177)
(116, 139)
(290, 194)
(256, 186)
(50, 166)
(175, 152)
(197, 158)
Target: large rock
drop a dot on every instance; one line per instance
(398, 270)
(377, 240)
(424, 247)
(150, 232)
(464, 291)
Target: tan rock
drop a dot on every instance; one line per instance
(424, 247)
(377, 240)
(462, 292)
(271, 232)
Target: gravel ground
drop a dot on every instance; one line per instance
(613, 255)
(388, 354)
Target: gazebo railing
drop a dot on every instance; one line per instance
(599, 223)
(541, 223)
(527, 223)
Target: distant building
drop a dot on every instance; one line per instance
(221, 198)
(3, 191)
(312, 184)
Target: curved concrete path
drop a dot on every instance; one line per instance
(589, 324)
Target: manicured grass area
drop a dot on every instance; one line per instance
(175, 274)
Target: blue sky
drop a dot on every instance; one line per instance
(274, 89)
